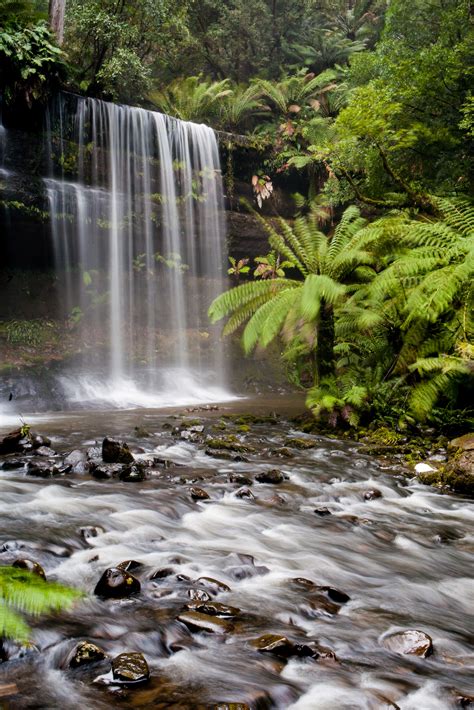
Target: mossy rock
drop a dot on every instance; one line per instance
(229, 443)
(453, 479)
(301, 444)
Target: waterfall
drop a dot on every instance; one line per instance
(137, 222)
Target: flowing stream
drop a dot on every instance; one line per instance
(403, 558)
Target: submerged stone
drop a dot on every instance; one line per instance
(199, 595)
(162, 573)
(274, 476)
(213, 608)
(195, 621)
(240, 478)
(130, 668)
(134, 473)
(213, 585)
(88, 532)
(84, 653)
(411, 643)
(129, 565)
(116, 451)
(372, 494)
(245, 493)
(273, 643)
(115, 583)
(301, 444)
(42, 469)
(199, 494)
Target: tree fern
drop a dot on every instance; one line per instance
(22, 592)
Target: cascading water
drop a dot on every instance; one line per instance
(139, 239)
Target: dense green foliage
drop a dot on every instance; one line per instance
(23, 592)
(382, 316)
(30, 62)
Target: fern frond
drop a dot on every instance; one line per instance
(268, 320)
(240, 295)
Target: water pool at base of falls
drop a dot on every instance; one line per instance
(402, 557)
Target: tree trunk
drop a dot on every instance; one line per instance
(57, 9)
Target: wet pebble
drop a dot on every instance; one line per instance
(130, 669)
(274, 476)
(84, 653)
(116, 584)
(196, 621)
(411, 642)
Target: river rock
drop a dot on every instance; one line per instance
(411, 642)
(130, 668)
(312, 649)
(37, 440)
(245, 493)
(323, 512)
(213, 609)
(199, 494)
(230, 706)
(12, 464)
(90, 531)
(84, 653)
(104, 471)
(465, 443)
(213, 585)
(301, 444)
(335, 594)
(45, 451)
(162, 573)
(275, 644)
(116, 452)
(195, 621)
(240, 478)
(42, 469)
(31, 566)
(115, 583)
(133, 473)
(10, 444)
(199, 595)
(273, 476)
(372, 494)
(129, 565)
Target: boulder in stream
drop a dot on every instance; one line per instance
(116, 451)
(195, 621)
(275, 644)
(116, 583)
(410, 643)
(273, 476)
(213, 608)
(42, 469)
(213, 585)
(199, 494)
(130, 669)
(84, 653)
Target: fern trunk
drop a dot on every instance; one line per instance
(325, 339)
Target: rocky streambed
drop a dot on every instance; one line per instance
(232, 561)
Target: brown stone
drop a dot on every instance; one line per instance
(195, 621)
(411, 642)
